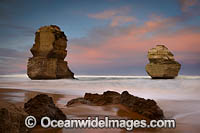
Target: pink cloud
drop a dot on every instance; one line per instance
(106, 14)
(117, 16)
(117, 20)
(133, 44)
(103, 15)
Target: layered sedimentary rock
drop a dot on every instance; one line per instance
(43, 105)
(49, 52)
(162, 63)
(147, 108)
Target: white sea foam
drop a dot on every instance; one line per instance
(181, 95)
(182, 87)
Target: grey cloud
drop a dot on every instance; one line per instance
(23, 29)
(6, 52)
(12, 65)
(186, 4)
(98, 35)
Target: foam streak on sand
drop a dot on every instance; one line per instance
(185, 115)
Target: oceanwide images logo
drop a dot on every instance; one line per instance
(95, 122)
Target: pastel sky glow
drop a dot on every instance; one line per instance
(107, 37)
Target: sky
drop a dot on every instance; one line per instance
(105, 37)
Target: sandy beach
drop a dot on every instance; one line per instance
(185, 122)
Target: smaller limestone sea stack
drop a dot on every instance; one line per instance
(49, 52)
(162, 63)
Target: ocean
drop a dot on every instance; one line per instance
(179, 98)
(180, 88)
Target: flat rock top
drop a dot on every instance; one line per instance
(160, 53)
(50, 28)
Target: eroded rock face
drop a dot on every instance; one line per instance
(49, 52)
(108, 97)
(162, 63)
(147, 108)
(43, 105)
(12, 119)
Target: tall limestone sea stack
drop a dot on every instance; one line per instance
(162, 63)
(49, 52)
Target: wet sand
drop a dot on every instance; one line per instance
(185, 124)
